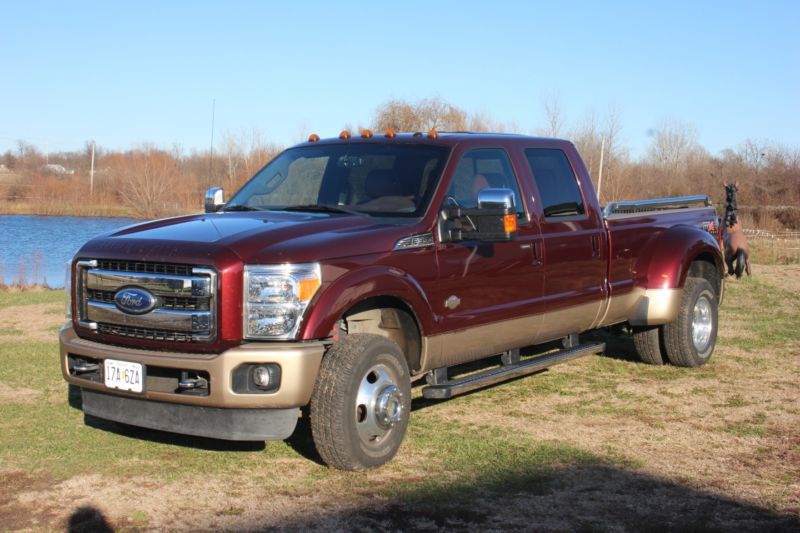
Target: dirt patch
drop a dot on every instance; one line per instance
(31, 322)
(203, 504)
(20, 395)
(12, 517)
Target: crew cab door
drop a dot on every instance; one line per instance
(574, 245)
(486, 292)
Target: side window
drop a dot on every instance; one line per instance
(556, 182)
(481, 169)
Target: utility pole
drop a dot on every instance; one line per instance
(600, 173)
(91, 173)
(211, 156)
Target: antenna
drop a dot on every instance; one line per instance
(211, 155)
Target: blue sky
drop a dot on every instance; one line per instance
(126, 73)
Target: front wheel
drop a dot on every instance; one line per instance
(361, 402)
(690, 339)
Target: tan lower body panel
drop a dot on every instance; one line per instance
(471, 344)
(299, 364)
(639, 307)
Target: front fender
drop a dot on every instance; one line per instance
(359, 285)
(664, 262)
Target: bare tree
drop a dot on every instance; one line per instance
(673, 142)
(554, 115)
(145, 179)
(423, 115)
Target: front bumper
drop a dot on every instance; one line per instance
(299, 363)
(197, 420)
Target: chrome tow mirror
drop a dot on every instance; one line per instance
(496, 198)
(494, 220)
(215, 198)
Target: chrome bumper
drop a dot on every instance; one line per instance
(299, 363)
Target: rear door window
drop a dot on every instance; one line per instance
(557, 183)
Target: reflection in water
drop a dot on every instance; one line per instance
(34, 249)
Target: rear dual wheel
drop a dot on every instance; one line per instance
(689, 340)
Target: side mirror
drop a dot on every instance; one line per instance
(495, 198)
(494, 220)
(215, 198)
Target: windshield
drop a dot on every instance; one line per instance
(390, 180)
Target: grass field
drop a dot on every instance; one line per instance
(602, 443)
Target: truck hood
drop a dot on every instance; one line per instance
(253, 237)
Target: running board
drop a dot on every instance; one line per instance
(450, 388)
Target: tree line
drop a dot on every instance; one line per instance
(149, 181)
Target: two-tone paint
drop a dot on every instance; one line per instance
(467, 300)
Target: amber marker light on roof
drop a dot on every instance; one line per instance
(432, 134)
(366, 134)
(344, 135)
(390, 133)
(313, 138)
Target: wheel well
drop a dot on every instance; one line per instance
(704, 266)
(391, 318)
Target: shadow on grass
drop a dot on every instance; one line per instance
(575, 498)
(619, 345)
(88, 519)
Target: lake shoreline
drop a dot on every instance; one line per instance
(87, 211)
(36, 248)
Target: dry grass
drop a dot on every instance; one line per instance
(602, 443)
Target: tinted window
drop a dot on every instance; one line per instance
(558, 186)
(482, 169)
(392, 180)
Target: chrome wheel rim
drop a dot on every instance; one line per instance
(702, 324)
(379, 405)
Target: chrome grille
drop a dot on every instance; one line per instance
(145, 266)
(143, 333)
(184, 298)
(164, 302)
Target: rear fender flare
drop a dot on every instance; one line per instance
(664, 262)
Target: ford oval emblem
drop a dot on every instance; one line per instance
(134, 301)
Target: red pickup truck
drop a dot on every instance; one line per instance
(348, 268)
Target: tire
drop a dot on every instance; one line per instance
(740, 262)
(361, 403)
(690, 339)
(648, 344)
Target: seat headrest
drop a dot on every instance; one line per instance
(382, 182)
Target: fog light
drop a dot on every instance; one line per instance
(261, 377)
(256, 378)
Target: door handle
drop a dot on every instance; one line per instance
(537, 253)
(595, 245)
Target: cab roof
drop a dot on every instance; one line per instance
(449, 138)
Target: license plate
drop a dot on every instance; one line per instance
(123, 375)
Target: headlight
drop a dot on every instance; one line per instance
(275, 298)
(68, 290)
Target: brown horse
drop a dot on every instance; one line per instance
(736, 249)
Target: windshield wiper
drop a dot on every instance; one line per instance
(241, 207)
(323, 208)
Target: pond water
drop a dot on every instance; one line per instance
(35, 249)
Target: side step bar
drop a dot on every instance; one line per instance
(449, 388)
